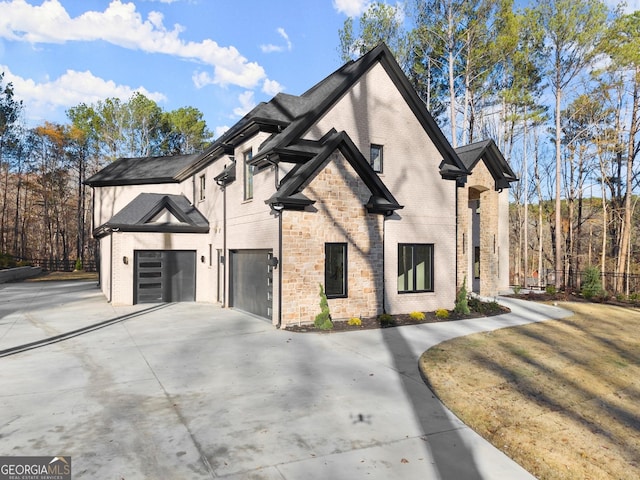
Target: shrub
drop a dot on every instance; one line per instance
(484, 308)
(78, 265)
(417, 316)
(386, 320)
(323, 319)
(516, 289)
(462, 306)
(354, 322)
(591, 284)
(551, 289)
(7, 261)
(442, 313)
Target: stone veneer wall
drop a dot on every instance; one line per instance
(339, 216)
(481, 179)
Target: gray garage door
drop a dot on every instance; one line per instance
(251, 282)
(165, 276)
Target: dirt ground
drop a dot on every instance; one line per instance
(562, 398)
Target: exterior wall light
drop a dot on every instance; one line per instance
(125, 260)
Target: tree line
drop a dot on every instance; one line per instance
(45, 205)
(555, 84)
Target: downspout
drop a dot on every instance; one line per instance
(224, 246)
(384, 273)
(277, 186)
(278, 325)
(111, 266)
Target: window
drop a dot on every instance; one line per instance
(415, 268)
(335, 270)
(203, 184)
(248, 176)
(476, 262)
(375, 157)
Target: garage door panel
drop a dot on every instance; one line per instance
(164, 276)
(251, 281)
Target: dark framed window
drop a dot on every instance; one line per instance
(375, 157)
(335, 270)
(248, 176)
(203, 185)
(476, 262)
(415, 267)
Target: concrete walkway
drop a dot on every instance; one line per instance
(194, 391)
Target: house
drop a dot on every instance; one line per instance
(350, 185)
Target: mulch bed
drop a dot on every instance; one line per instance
(342, 325)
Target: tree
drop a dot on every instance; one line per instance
(187, 131)
(379, 23)
(622, 44)
(573, 28)
(10, 110)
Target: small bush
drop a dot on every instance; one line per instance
(462, 306)
(591, 284)
(551, 289)
(386, 320)
(323, 319)
(517, 289)
(442, 313)
(354, 322)
(417, 316)
(78, 265)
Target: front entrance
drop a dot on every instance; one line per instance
(251, 281)
(164, 276)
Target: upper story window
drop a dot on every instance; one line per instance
(202, 187)
(375, 157)
(248, 175)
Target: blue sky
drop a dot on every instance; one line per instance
(220, 56)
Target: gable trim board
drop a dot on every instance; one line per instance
(312, 186)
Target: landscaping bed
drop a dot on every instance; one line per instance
(479, 309)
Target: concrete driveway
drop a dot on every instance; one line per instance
(189, 391)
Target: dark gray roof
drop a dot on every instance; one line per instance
(143, 170)
(497, 165)
(139, 214)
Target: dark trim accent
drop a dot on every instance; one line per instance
(289, 194)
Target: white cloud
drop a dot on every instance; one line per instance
(122, 25)
(247, 103)
(219, 131)
(201, 79)
(271, 87)
(351, 8)
(270, 47)
(69, 90)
